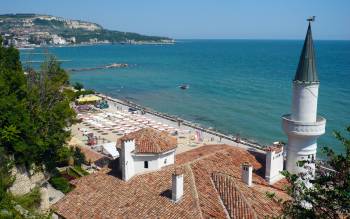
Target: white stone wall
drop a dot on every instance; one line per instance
(247, 174)
(132, 164)
(140, 161)
(166, 158)
(303, 126)
(25, 181)
(304, 105)
(177, 187)
(155, 161)
(274, 165)
(300, 148)
(126, 159)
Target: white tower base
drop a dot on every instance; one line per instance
(302, 141)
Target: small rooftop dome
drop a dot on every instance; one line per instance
(148, 140)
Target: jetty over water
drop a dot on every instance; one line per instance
(113, 65)
(41, 61)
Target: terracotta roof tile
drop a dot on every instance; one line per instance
(148, 140)
(149, 195)
(228, 161)
(275, 148)
(231, 196)
(90, 155)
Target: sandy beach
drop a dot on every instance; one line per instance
(108, 125)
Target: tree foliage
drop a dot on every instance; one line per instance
(35, 113)
(79, 157)
(78, 86)
(329, 195)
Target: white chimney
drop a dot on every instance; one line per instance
(247, 173)
(177, 186)
(274, 163)
(126, 159)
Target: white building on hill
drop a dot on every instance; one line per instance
(145, 150)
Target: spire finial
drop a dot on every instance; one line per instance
(311, 19)
(306, 71)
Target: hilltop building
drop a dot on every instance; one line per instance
(145, 150)
(57, 40)
(303, 126)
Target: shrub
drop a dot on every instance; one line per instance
(78, 86)
(80, 170)
(61, 184)
(30, 200)
(79, 157)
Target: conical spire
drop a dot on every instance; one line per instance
(306, 71)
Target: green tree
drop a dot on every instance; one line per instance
(35, 112)
(329, 195)
(79, 157)
(63, 156)
(78, 86)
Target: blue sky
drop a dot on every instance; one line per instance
(202, 19)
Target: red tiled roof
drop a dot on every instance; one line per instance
(90, 155)
(148, 140)
(231, 196)
(145, 196)
(148, 196)
(275, 148)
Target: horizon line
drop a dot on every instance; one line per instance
(280, 39)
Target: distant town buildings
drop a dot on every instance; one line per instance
(31, 30)
(57, 40)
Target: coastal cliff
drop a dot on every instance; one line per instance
(23, 30)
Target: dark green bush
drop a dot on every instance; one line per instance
(79, 157)
(60, 183)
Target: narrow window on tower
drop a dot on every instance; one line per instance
(145, 165)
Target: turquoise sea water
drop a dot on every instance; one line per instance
(236, 86)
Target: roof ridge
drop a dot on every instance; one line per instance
(219, 195)
(233, 183)
(194, 188)
(206, 156)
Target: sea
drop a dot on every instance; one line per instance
(238, 87)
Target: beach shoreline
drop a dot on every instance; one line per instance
(107, 126)
(175, 120)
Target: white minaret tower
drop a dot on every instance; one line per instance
(303, 126)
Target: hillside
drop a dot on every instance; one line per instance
(26, 29)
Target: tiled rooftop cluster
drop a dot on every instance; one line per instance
(148, 140)
(101, 195)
